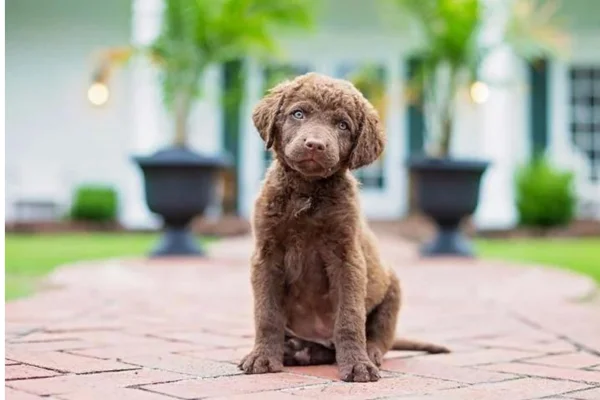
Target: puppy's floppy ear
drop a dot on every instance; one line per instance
(267, 112)
(370, 140)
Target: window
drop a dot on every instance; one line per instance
(585, 115)
(370, 79)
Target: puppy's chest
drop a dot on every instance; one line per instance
(309, 302)
(301, 227)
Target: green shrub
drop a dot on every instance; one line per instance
(95, 203)
(545, 195)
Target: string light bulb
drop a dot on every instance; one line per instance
(98, 93)
(480, 92)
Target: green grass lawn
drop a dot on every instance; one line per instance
(579, 255)
(29, 257)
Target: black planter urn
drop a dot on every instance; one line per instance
(179, 185)
(447, 192)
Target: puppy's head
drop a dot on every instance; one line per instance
(319, 125)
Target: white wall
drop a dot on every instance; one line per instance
(54, 137)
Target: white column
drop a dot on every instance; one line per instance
(503, 130)
(151, 125)
(496, 207)
(559, 142)
(150, 129)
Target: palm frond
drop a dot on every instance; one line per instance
(451, 41)
(535, 30)
(198, 33)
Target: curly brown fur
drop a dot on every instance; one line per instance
(321, 292)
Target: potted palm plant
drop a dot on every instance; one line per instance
(195, 34)
(451, 54)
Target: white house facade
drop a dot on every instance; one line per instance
(55, 139)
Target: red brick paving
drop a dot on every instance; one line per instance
(66, 384)
(399, 385)
(577, 360)
(589, 394)
(183, 364)
(18, 395)
(174, 329)
(24, 371)
(232, 385)
(516, 389)
(481, 357)
(65, 362)
(546, 371)
(432, 369)
(109, 393)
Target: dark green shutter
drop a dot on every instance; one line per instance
(231, 102)
(416, 121)
(539, 97)
(416, 132)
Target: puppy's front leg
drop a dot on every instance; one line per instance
(350, 282)
(269, 318)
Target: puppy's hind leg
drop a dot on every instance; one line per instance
(302, 352)
(381, 323)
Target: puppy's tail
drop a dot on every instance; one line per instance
(416, 345)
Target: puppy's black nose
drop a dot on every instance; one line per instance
(314, 145)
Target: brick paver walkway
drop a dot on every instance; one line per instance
(175, 329)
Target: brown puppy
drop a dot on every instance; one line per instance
(321, 292)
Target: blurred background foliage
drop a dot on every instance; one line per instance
(196, 34)
(95, 203)
(453, 45)
(545, 195)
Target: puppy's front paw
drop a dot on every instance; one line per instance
(260, 362)
(361, 371)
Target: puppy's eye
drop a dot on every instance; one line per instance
(343, 126)
(298, 114)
